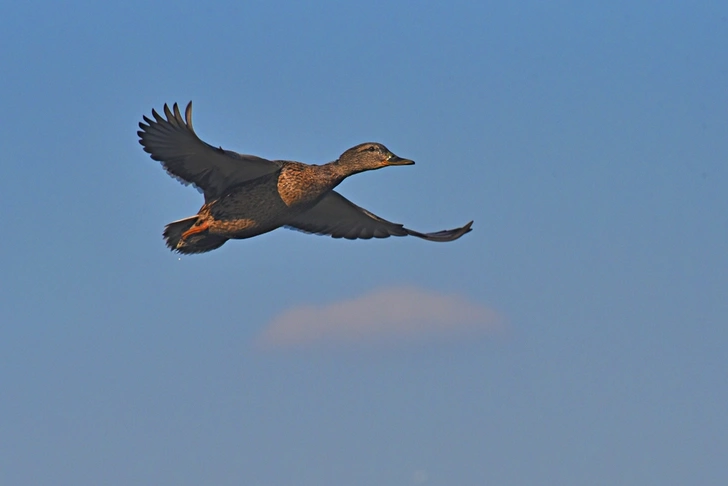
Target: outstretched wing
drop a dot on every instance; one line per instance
(338, 217)
(174, 143)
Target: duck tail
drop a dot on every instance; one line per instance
(196, 243)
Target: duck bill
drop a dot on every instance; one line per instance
(394, 160)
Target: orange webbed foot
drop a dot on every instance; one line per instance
(197, 228)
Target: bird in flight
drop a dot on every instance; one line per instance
(246, 196)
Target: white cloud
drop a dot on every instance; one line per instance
(401, 313)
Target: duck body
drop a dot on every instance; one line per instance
(255, 207)
(246, 196)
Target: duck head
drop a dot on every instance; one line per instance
(369, 156)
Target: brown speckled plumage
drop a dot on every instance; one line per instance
(247, 196)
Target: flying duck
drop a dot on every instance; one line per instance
(246, 196)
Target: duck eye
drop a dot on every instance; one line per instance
(372, 149)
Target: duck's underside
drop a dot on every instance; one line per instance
(190, 236)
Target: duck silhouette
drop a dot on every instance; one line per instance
(246, 196)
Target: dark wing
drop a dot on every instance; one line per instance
(173, 142)
(337, 216)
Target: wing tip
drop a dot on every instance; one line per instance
(443, 236)
(172, 119)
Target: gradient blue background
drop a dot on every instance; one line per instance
(587, 142)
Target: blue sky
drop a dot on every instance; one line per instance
(576, 336)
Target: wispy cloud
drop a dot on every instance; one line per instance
(394, 314)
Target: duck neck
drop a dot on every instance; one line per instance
(343, 170)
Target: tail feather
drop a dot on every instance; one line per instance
(198, 243)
